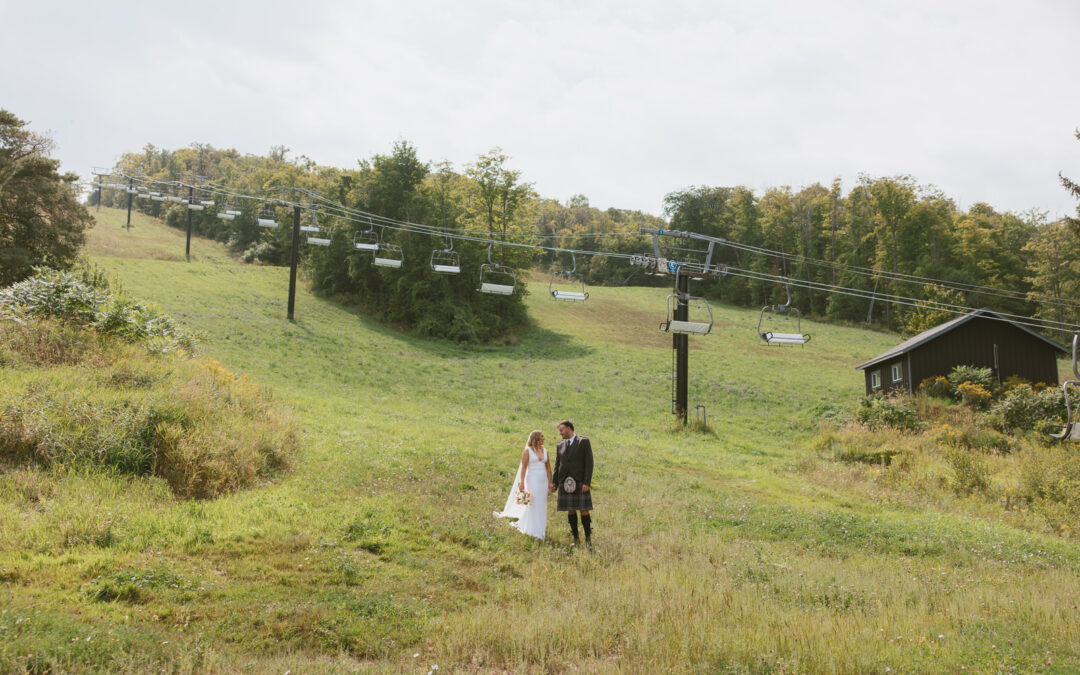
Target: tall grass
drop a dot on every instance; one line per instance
(731, 551)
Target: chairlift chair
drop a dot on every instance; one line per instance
(1071, 429)
(315, 229)
(228, 212)
(493, 277)
(366, 240)
(267, 217)
(446, 260)
(699, 319)
(388, 255)
(773, 337)
(571, 293)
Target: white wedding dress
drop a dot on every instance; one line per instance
(531, 519)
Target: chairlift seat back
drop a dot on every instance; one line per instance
(310, 228)
(266, 222)
(195, 207)
(387, 262)
(226, 216)
(446, 269)
(318, 241)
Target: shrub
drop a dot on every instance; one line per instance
(191, 422)
(969, 472)
(880, 411)
(63, 296)
(936, 386)
(973, 438)
(983, 377)
(1024, 409)
(1050, 481)
(974, 395)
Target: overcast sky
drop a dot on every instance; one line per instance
(622, 101)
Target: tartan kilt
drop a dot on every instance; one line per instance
(573, 501)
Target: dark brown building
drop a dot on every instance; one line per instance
(982, 338)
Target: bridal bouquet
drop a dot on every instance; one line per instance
(523, 498)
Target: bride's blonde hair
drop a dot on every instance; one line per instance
(534, 440)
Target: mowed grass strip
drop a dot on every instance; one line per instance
(713, 552)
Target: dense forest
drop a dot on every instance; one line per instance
(884, 236)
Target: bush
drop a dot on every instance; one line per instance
(59, 295)
(936, 386)
(969, 472)
(107, 404)
(1050, 481)
(879, 411)
(983, 377)
(974, 395)
(1024, 409)
(973, 438)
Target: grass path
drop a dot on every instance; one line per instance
(713, 554)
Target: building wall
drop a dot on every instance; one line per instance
(891, 380)
(972, 344)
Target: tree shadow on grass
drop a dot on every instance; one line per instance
(526, 342)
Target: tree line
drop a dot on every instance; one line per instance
(843, 239)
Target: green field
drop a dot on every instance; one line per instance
(715, 552)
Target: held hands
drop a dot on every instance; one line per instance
(551, 487)
(584, 488)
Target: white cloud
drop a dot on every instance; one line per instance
(621, 101)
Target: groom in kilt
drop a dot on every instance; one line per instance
(572, 477)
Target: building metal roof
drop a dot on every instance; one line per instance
(941, 329)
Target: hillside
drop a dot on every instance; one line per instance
(379, 552)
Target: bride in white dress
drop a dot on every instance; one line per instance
(534, 479)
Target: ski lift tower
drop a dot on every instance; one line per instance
(294, 254)
(189, 181)
(678, 321)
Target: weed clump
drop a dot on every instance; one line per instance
(879, 411)
(97, 401)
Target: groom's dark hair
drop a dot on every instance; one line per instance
(567, 423)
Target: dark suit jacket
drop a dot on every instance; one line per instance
(573, 461)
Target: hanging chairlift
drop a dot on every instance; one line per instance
(267, 217)
(366, 240)
(228, 211)
(574, 293)
(1071, 429)
(446, 260)
(493, 277)
(388, 255)
(699, 319)
(771, 337)
(315, 228)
